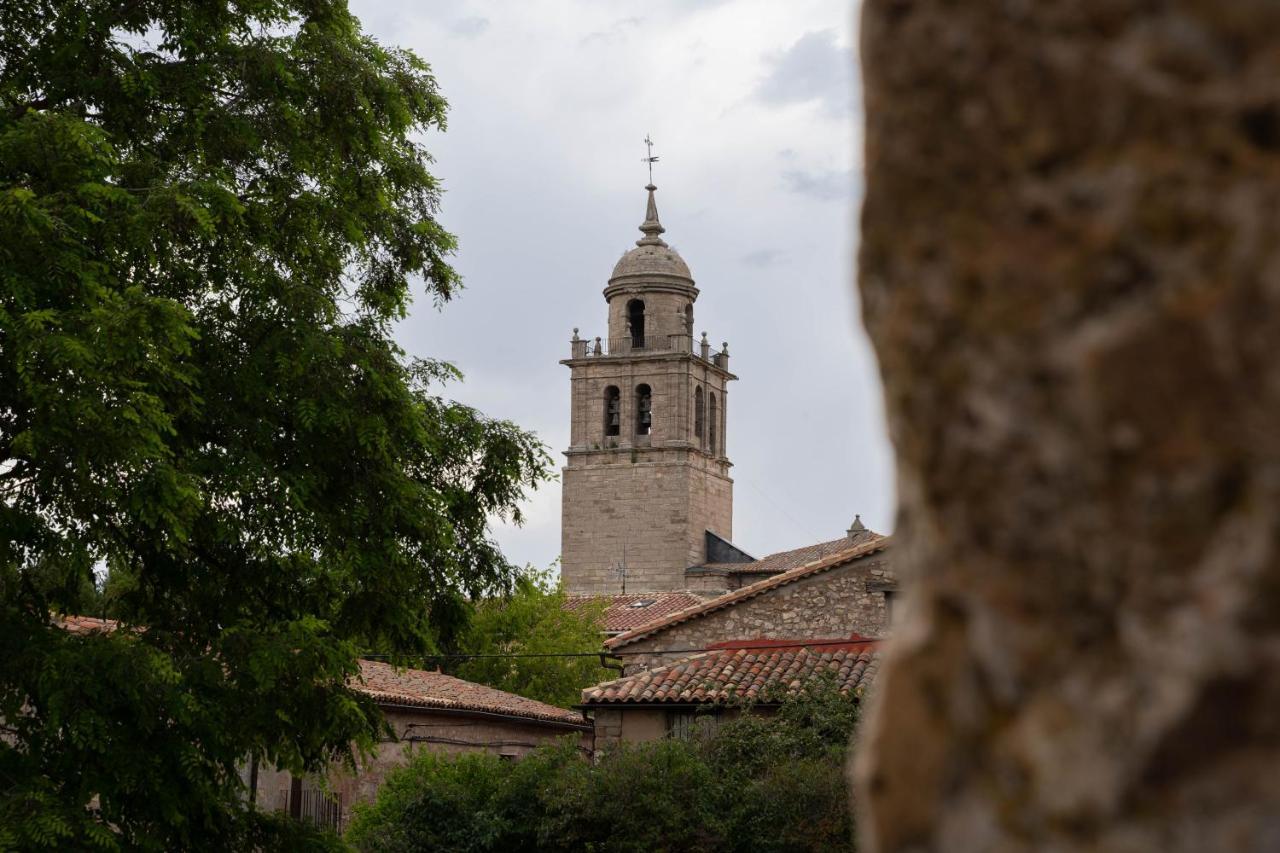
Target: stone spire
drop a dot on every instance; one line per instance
(651, 226)
(857, 527)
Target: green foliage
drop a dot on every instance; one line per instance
(759, 782)
(210, 216)
(532, 620)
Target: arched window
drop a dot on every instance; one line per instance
(612, 411)
(688, 319)
(698, 423)
(635, 322)
(644, 410)
(711, 423)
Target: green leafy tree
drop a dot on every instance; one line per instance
(211, 214)
(510, 632)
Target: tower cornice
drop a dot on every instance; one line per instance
(635, 357)
(642, 283)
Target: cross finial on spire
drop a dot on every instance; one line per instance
(650, 159)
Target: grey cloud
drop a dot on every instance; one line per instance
(824, 186)
(764, 258)
(470, 27)
(815, 68)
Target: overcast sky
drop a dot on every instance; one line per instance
(754, 110)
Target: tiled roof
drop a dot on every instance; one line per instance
(417, 687)
(784, 561)
(830, 561)
(745, 671)
(624, 612)
(423, 689)
(85, 624)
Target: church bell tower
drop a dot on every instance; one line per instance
(647, 476)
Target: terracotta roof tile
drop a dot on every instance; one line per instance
(85, 624)
(745, 671)
(830, 561)
(784, 561)
(423, 689)
(624, 612)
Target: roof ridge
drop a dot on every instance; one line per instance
(829, 561)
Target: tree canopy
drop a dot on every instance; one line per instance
(506, 633)
(211, 216)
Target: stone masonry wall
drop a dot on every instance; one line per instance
(710, 508)
(448, 733)
(1070, 269)
(664, 320)
(831, 604)
(657, 495)
(637, 510)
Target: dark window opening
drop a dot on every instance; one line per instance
(635, 322)
(711, 424)
(612, 411)
(698, 414)
(644, 410)
(692, 725)
(688, 319)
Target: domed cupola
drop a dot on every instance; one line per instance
(652, 261)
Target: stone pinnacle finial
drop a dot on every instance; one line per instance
(857, 527)
(651, 226)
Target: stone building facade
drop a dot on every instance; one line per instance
(425, 711)
(849, 592)
(647, 475)
(703, 691)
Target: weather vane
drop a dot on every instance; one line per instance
(648, 143)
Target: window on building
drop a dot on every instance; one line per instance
(612, 411)
(644, 410)
(888, 606)
(688, 319)
(711, 423)
(698, 414)
(690, 725)
(635, 322)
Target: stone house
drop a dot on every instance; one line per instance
(849, 591)
(702, 690)
(700, 665)
(425, 710)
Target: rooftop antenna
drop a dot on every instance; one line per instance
(648, 143)
(621, 570)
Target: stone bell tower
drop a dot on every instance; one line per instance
(647, 475)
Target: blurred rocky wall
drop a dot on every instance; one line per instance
(1070, 268)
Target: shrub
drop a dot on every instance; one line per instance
(759, 783)
(439, 802)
